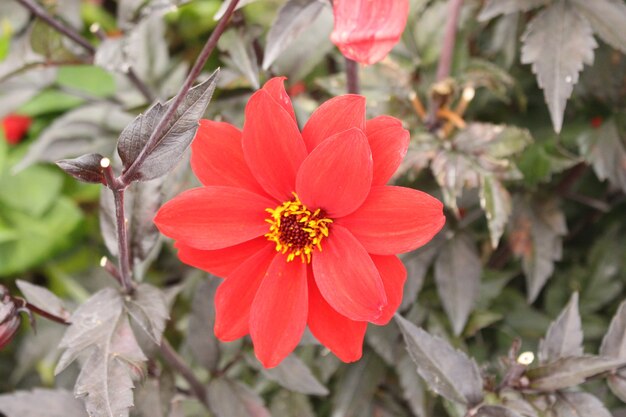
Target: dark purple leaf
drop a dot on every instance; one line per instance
(85, 168)
(148, 309)
(230, 398)
(496, 411)
(565, 335)
(201, 339)
(447, 371)
(295, 375)
(569, 372)
(41, 402)
(43, 299)
(579, 404)
(172, 141)
(357, 386)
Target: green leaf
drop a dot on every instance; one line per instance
(47, 41)
(565, 335)
(457, 273)
(51, 101)
(33, 191)
(558, 42)
(87, 79)
(447, 371)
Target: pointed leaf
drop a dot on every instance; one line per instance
(241, 54)
(496, 201)
(41, 402)
(294, 17)
(457, 274)
(85, 168)
(607, 17)
(565, 335)
(230, 398)
(43, 299)
(579, 404)
(496, 411)
(200, 336)
(357, 386)
(571, 371)
(291, 404)
(413, 389)
(147, 307)
(614, 341)
(447, 371)
(605, 150)
(294, 375)
(173, 141)
(558, 42)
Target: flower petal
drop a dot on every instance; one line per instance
(395, 220)
(344, 337)
(272, 145)
(334, 116)
(393, 274)
(217, 157)
(276, 89)
(279, 311)
(389, 142)
(214, 217)
(337, 175)
(235, 295)
(347, 277)
(220, 262)
(366, 30)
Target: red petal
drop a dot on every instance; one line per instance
(344, 337)
(15, 127)
(234, 296)
(217, 157)
(389, 142)
(214, 217)
(220, 262)
(347, 277)
(393, 274)
(272, 145)
(366, 30)
(334, 116)
(395, 220)
(279, 311)
(276, 88)
(337, 175)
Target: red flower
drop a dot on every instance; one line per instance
(9, 317)
(366, 30)
(300, 224)
(15, 127)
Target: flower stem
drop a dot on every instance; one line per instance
(157, 133)
(71, 33)
(45, 314)
(173, 358)
(352, 75)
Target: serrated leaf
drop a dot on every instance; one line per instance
(605, 150)
(457, 273)
(291, 404)
(293, 18)
(536, 232)
(564, 336)
(496, 201)
(41, 402)
(413, 389)
(87, 129)
(357, 385)
(148, 309)
(570, 371)
(226, 3)
(496, 411)
(447, 371)
(100, 330)
(144, 199)
(579, 404)
(558, 42)
(614, 346)
(607, 17)
(85, 168)
(417, 264)
(617, 385)
(229, 398)
(43, 299)
(200, 336)
(174, 140)
(241, 54)
(493, 8)
(294, 375)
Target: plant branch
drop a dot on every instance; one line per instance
(157, 133)
(45, 314)
(352, 75)
(41, 13)
(173, 358)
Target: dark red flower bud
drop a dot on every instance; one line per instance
(596, 122)
(9, 317)
(15, 127)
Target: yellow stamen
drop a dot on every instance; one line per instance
(296, 230)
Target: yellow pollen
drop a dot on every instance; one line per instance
(296, 230)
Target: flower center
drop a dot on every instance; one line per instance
(296, 230)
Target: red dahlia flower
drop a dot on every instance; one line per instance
(15, 127)
(366, 30)
(301, 224)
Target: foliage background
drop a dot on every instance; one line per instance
(534, 190)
